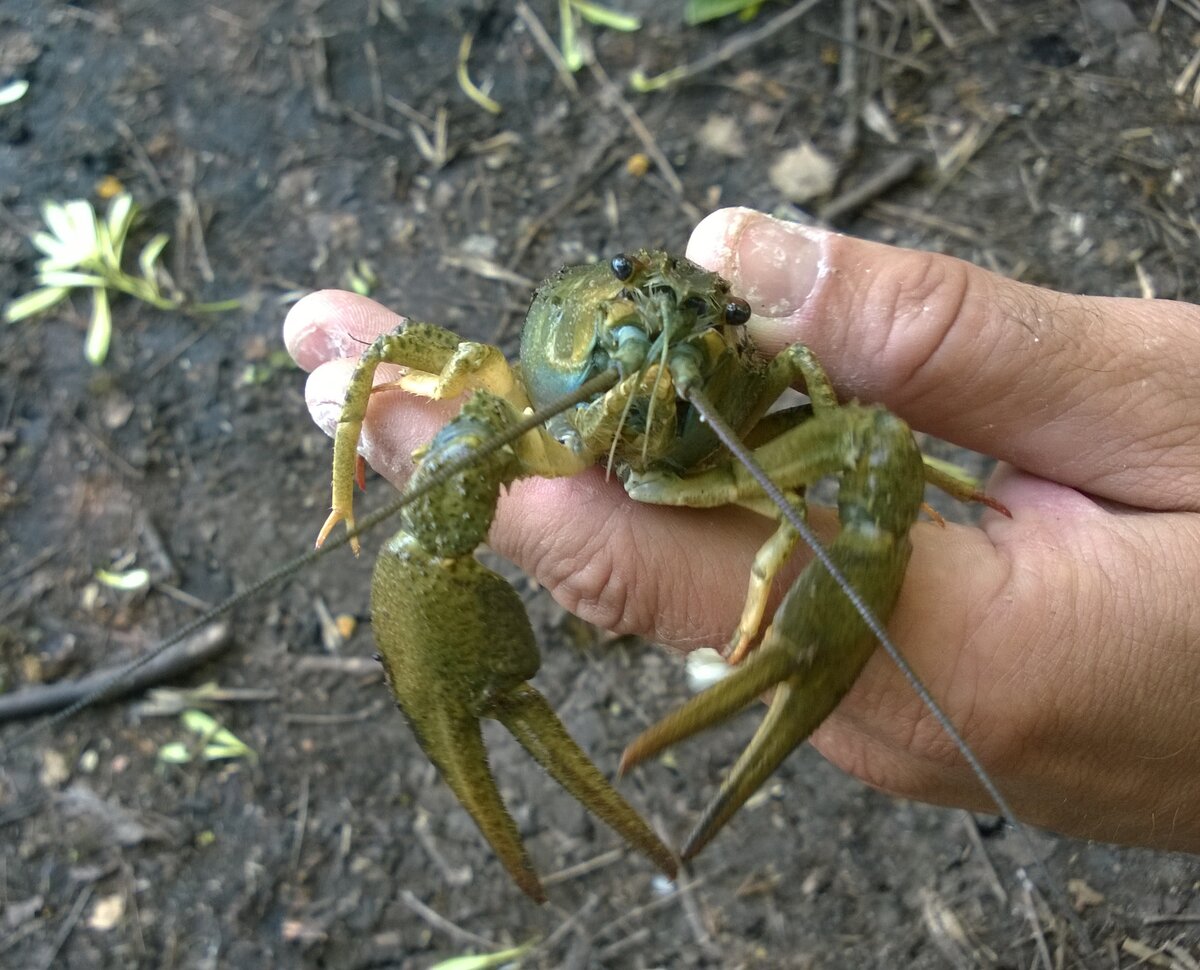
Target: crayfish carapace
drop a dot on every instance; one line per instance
(662, 335)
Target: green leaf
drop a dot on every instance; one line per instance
(593, 13)
(702, 11)
(129, 581)
(644, 85)
(148, 257)
(485, 961)
(52, 246)
(54, 214)
(69, 279)
(121, 213)
(175, 753)
(13, 92)
(82, 218)
(99, 335)
(469, 88)
(31, 304)
(75, 238)
(219, 742)
(568, 40)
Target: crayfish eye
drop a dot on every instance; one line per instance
(737, 311)
(622, 266)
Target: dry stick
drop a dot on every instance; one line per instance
(695, 920)
(350, 666)
(899, 169)
(847, 86)
(45, 698)
(890, 211)
(540, 37)
(627, 919)
(372, 59)
(189, 216)
(142, 157)
(438, 921)
(993, 878)
(371, 125)
(984, 17)
(848, 56)
(68, 925)
(451, 874)
(943, 32)
(592, 171)
(583, 868)
(614, 950)
(550, 942)
(737, 45)
(1027, 903)
(301, 822)
(31, 566)
(649, 144)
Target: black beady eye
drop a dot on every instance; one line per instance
(737, 311)
(622, 266)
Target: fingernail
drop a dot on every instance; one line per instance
(776, 264)
(324, 392)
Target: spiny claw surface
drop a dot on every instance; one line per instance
(817, 642)
(457, 647)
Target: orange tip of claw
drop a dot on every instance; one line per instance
(360, 472)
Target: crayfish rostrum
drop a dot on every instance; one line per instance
(454, 637)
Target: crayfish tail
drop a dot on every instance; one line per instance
(788, 722)
(540, 732)
(763, 670)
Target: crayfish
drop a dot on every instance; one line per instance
(647, 363)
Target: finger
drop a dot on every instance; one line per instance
(1074, 679)
(334, 324)
(1098, 393)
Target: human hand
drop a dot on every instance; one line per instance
(1063, 643)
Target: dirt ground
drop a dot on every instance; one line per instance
(283, 143)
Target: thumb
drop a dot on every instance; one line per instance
(1022, 373)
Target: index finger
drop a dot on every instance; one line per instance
(1102, 394)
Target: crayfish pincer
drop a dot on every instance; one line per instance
(454, 637)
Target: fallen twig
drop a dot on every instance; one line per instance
(47, 698)
(900, 169)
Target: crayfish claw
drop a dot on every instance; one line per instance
(720, 702)
(537, 728)
(454, 743)
(789, 721)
